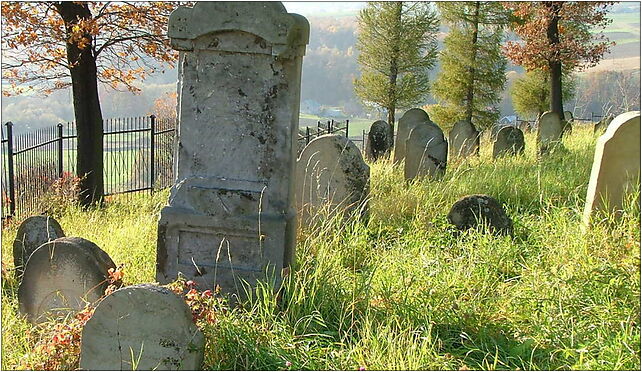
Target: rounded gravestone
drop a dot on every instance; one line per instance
(330, 172)
(379, 141)
(61, 276)
(426, 152)
(463, 139)
(549, 132)
(408, 121)
(32, 233)
(509, 141)
(148, 323)
(473, 210)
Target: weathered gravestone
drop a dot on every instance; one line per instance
(379, 141)
(568, 122)
(61, 276)
(426, 152)
(408, 121)
(231, 213)
(32, 233)
(549, 132)
(142, 327)
(463, 140)
(474, 210)
(330, 173)
(601, 125)
(616, 165)
(509, 141)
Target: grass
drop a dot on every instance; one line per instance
(404, 291)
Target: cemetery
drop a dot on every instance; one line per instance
(430, 247)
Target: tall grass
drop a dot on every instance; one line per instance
(403, 290)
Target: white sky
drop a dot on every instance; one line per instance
(316, 8)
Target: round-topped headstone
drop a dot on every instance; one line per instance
(473, 210)
(463, 140)
(61, 277)
(32, 233)
(379, 141)
(148, 323)
(426, 152)
(508, 141)
(549, 132)
(407, 123)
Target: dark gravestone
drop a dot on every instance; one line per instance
(32, 233)
(473, 210)
(379, 141)
(62, 276)
(426, 152)
(509, 141)
(463, 140)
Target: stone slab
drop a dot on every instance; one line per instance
(379, 141)
(426, 152)
(61, 277)
(32, 233)
(463, 140)
(509, 141)
(616, 166)
(408, 121)
(549, 132)
(141, 327)
(474, 210)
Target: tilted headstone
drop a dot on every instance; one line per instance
(463, 140)
(474, 210)
(61, 276)
(32, 233)
(549, 132)
(616, 165)
(426, 152)
(408, 121)
(330, 173)
(231, 213)
(142, 327)
(509, 141)
(379, 141)
(601, 125)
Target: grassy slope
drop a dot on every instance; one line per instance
(405, 292)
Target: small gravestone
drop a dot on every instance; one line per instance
(231, 218)
(568, 122)
(408, 121)
(474, 210)
(32, 233)
(509, 141)
(601, 125)
(463, 140)
(61, 276)
(616, 166)
(379, 141)
(331, 173)
(426, 152)
(549, 132)
(142, 327)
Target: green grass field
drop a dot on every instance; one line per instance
(404, 291)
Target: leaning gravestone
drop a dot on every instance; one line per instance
(509, 141)
(379, 141)
(32, 233)
(549, 132)
(426, 152)
(473, 210)
(463, 140)
(616, 165)
(601, 125)
(142, 327)
(231, 213)
(408, 121)
(330, 173)
(61, 276)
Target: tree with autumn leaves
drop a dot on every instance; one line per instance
(556, 36)
(54, 45)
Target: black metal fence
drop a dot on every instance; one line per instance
(306, 135)
(137, 155)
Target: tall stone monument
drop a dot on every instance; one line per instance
(463, 140)
(616, 165)
(549, 132)
(231, 213)
(427, 152)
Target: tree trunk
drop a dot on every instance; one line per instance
(471, 68)
(394, 71)
(555, 66)
(87, 112)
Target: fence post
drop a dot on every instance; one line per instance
(307, 135)
(318, 128)
(329, 127)
(152, 171)
(347, 124)
(11, 185)
(60, 158)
